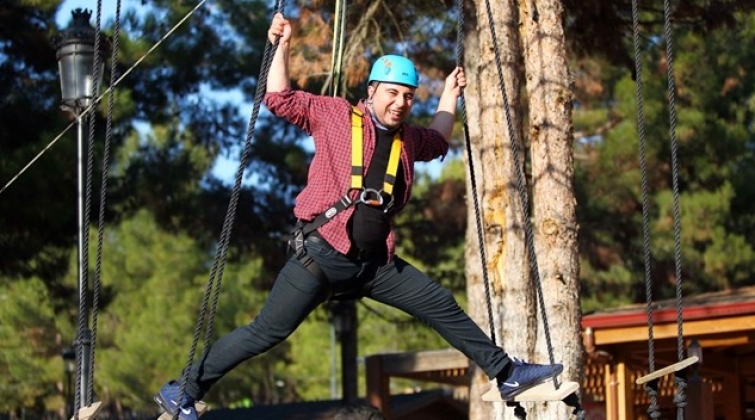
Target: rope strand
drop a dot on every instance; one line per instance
(653, 409)
(216, 273)
(522, 189)
(681, 379)
(472, 174)
(103, 192)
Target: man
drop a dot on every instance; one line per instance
(344, 242)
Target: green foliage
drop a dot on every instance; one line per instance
(713, 128)
(158, 280)
(431, 228)
(30, 365)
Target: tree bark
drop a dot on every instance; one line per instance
(554, 216)
(498, 208)
(517, 319)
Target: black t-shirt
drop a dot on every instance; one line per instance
(370, 226)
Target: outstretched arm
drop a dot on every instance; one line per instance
(278, 78)
(445, 115)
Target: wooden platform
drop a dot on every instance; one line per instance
(200, 406)
(667, 370)
(88, 412)
(543, 392)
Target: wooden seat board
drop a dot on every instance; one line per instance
(542, 392)
(88, 412)
(667, 370)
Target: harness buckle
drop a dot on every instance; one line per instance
(296, 241)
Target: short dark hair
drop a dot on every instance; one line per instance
(358, 412)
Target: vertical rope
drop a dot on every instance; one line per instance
(472, 175)
(339, 33)
(675, 177)
(680, 398)
(216, 273)
(103, 190)
(650, 388)
(521, 187)
(83, 318)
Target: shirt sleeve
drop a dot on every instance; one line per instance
(296, 106)
(429, 144)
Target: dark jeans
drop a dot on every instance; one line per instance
(297, 292)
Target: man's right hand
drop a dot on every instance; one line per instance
(279, 28)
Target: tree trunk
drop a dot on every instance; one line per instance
(517, 319)
(498, 204)
(554, 218)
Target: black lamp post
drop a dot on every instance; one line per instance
(343, 318)
(76, 62)
(75, 53)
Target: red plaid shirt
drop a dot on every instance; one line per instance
(328, 121)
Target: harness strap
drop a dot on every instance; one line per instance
(393, 160)
(357, 134)
(357, 155)
(368, 196)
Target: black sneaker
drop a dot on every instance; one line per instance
(526, 375)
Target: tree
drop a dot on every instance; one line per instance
(712, 102)
(532, 40)
(30, 364)
(495, 215)
(554, 220)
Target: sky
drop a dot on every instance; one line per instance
(225, 168)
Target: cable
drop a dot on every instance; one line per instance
(96, 101)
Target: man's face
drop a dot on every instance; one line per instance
(391, 103)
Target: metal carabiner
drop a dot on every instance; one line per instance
(377, 201)
(390, 204)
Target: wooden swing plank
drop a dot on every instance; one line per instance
(676, 367)
(200, 406)
(88, 412)
(542, 392)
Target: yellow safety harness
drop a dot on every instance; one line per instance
(368, 196)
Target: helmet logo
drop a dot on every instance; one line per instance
(387, 64)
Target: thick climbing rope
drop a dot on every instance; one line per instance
(521, 188)
(680, 379)
(83, 315)
(339, 34)
(103, 189)
(651, 388)
(214, 284)
(472, 176)
(82, 338)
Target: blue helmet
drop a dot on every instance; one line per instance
(394, 69)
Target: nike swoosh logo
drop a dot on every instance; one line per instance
(186, 411)
(513, 385)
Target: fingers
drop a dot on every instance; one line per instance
(457, 79)
(461, 78)
(279, 28)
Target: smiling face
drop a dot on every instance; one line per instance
(390, 103)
